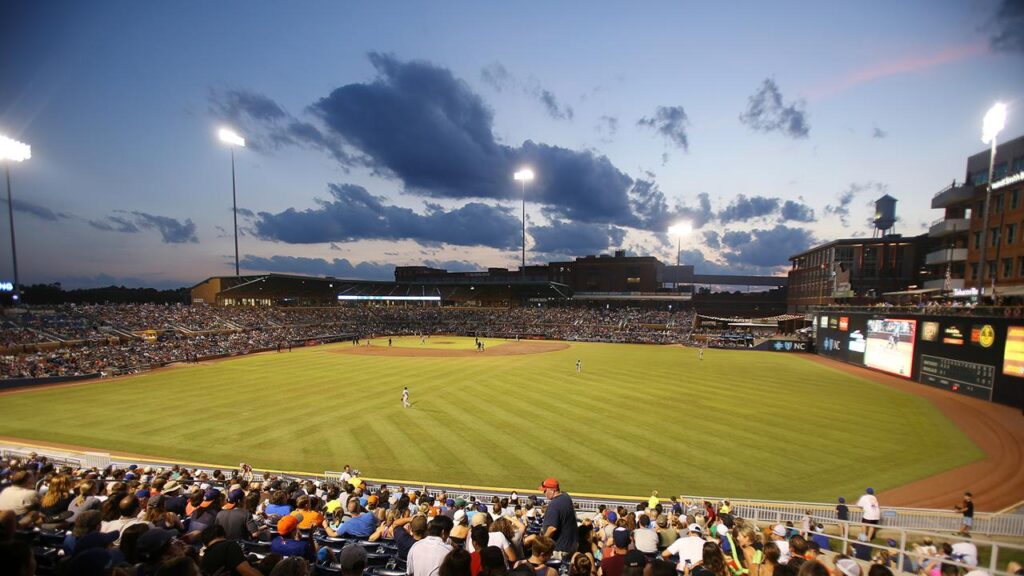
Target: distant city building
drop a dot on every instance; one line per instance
(955, 264)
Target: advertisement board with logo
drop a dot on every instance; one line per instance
(844, 323)
(953, 334)
(1013, 352)
(983, 335)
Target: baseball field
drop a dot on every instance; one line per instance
(637, 418)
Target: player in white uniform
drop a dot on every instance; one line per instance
(405, 397)
(579, 366)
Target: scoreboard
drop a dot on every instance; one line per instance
(959, 376)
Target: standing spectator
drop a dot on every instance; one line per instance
(967, 509)
(559, 520)
(425, 557)
(843, 516)
(872, 513)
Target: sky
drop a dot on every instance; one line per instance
(383, 134)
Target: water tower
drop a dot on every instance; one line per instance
(885, 215)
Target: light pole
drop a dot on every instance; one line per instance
(995, 120)
(13, 151)
(232, 139)
(524, 175)
(679, 230)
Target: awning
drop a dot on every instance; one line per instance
(917, 292)
(1010, 291)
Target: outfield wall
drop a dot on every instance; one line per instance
(979, 357)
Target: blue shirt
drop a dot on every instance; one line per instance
(362, 526)
(289, 547)
(279, 509)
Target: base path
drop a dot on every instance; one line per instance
(996, 482)
(506, 349)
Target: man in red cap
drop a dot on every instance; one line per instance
(560, 520)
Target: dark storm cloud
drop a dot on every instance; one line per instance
(500, 79)
(338, 267)
(796, 211)
(842, 206)
(354, 214)
(37, 210)
(703, 265)
(236, 105)
(743, 208)
(766, 248)
(766, 112)
(1008, 27)
(575, 238)
(670, 122)
(172, 230)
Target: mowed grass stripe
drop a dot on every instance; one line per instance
(638, 418)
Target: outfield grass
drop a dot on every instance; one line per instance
(738, 423)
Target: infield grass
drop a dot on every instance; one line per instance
(738, 423)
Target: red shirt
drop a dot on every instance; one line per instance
(474, 563)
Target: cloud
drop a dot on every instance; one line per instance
(39, 211)
(878, 133)
(712, 239)
(607, 127)
(500, 79)
(842, 207)
(338, 267)
(796, 211)
(453, 265)
(766, 112)
(1008, 24)
(246, 213)
(670, 122)
(172, 230)
(354, 214)
(765, 248)
(704, 265)
(103, 280)
(743, 208)
(575, 238)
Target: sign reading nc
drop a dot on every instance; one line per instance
(6, 287)
(784, 346)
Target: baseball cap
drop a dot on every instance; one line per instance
(151, 542)
(459, 516)
(479, 519)
(848, 567)
(549, 484)
(156, 501)
(287, 524)
(694, 528)
(662, 521)
(621, 537)
(211, 496)
(892, 542)
(460, 502)
(636, 559)
(144, 493)
(449, 502)
(779, 530)
(842, 500)
(95, 540)
(236, 496)
(352, 556)
(870, 490)
(373, 499)
(613, 517)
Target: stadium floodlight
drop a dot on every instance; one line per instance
(679, 229)
(524, 175)
(991, 126)
(13, 151)
(229, 136)
(232, 139)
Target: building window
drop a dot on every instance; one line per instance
(974, 270)
(1020, 266)
(1014, 199)
(993, 237)
(1011, 233)
(1007, 267)
(977, 240)
(979, 209)
(1000, 171)
(990, 267)
(979, 177)
(997, 204)
(1018, 165)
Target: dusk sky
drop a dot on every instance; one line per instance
(383, 134)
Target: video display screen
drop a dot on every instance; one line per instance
(930, 331)
(1013, 353)
(890, 345)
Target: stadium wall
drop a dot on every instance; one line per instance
(979, 357)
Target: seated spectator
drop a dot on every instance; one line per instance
(155, 547)
(85, 499)
(306, 509)
(689, 548)
(645, 538)
(425, 557)
(289, 541)
(712, 562)
(352, 560)
(128, 508)
(278, 504)
(361, 524)
(222, 556)
(236, 521)
(457, 563)
(541, 550)
(20, 497)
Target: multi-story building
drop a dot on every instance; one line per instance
(955, 264)
(855, 270)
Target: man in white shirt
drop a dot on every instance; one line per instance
(645, 538)
(966, 552)
(129, 508)
(20, 496)
(688, 548)
(779, 538)
(872, 513)
(425, 556)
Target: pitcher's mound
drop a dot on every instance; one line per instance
(506, 349)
